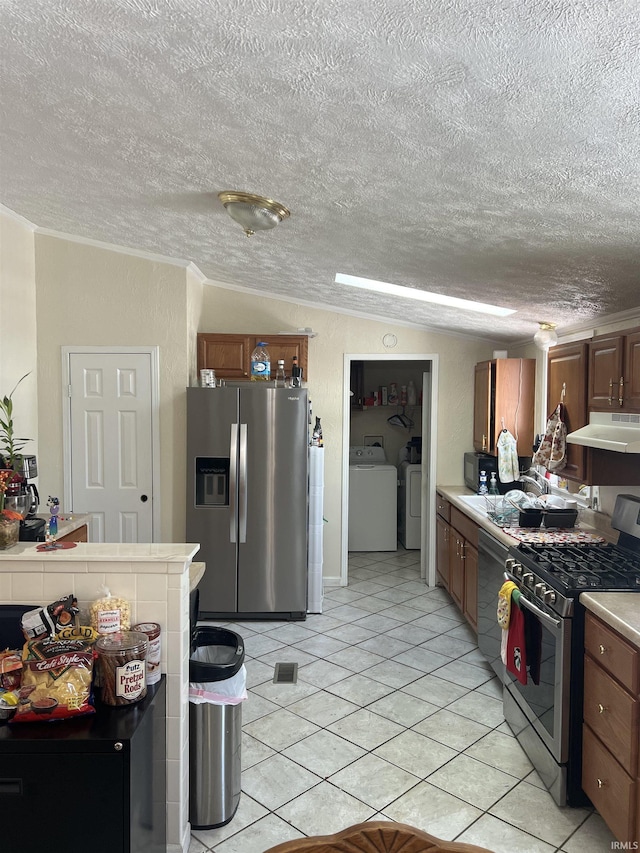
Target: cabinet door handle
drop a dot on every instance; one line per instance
(484, 441)
(601, 708)
(602, 649)
(611, 391)
(621, 391)
(600, 783)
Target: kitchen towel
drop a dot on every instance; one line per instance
(552, 452)
(533, 644)
(516, 646)
(504, 604)
(508, 468)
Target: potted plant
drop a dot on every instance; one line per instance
(11, 451)
(10, 479)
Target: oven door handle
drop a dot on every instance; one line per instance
(542, 616)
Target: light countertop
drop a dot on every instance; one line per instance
(453, 494)
(620, 610)
(67, 523)
(130, 557)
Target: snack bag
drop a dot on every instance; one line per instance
(110, 614)
(47, 621)
(56, 680)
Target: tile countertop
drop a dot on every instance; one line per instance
(620, 610)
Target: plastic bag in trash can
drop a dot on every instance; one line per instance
(230, 691)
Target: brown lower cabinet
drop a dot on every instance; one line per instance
(457, 557)
(611, 730)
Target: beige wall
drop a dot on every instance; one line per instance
(90, 295)
(18, 324)
(229, 311)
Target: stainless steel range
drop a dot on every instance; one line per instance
(546, 717)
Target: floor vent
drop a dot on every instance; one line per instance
(285, 673)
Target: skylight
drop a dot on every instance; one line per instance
(422, 295)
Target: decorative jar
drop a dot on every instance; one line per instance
(9, 532)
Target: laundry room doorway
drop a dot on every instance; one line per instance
(391, 407)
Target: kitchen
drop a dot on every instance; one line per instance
(403, 139)
(452, 375)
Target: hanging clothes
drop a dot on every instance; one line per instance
(508, 467)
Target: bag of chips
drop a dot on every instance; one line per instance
(56, 680)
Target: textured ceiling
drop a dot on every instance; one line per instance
(487, 149)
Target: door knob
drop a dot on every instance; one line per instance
(144, 498)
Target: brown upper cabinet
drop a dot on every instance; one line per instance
(230, 355)
(504, 397)
(614, 372)
(567, 383)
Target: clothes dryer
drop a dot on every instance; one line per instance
(373, 500)
(409, 504)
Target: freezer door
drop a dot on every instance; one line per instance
(212, 496)
(273, 497)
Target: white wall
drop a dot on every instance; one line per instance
(91, 295)
(229, 311)
(18, 324)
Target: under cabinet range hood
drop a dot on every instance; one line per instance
(616, 431)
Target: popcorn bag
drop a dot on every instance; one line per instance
(110, 614)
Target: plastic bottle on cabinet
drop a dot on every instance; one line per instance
(281, 379)
(493, 485)
(260, 363)
(482, 488)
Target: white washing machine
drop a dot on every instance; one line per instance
(373, 500)
(409, 504)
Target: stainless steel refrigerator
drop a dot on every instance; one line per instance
(247, 499)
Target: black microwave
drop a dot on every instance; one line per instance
(476, 462)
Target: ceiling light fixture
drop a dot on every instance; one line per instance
(546, 336)
(422, 295)
(252, 212)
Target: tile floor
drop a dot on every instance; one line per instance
(395, 715)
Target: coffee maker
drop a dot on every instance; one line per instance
(22, 496)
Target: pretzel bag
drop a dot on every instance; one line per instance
(56, 680)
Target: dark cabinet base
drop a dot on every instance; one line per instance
(97, 783)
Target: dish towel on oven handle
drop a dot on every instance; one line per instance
(516, 661)
(508, 467)
(552, 452)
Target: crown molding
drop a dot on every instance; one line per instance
(11, 214)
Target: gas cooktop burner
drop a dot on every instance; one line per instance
(583, 566)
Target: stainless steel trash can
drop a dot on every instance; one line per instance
(215, 731)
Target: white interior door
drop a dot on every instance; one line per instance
(111, 444)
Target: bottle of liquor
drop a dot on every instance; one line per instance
(280, 380)
(296, 373)
(260, 363)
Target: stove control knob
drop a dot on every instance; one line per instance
(509, 564)
(540, 589)
(528, 579)
(549, 597)
(517, 570)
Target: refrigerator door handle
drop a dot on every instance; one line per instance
(233, 494)
(242, 484)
